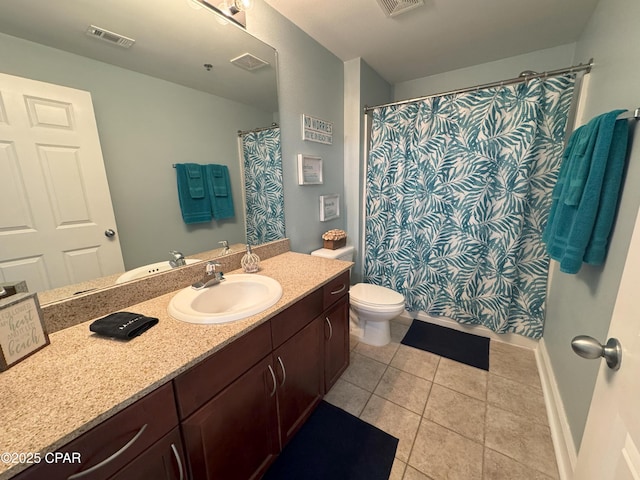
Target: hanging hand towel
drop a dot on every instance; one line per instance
(192, 193)
(219, 185)
(123, 325)
(586, 195)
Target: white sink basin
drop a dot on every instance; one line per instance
(238, 296)
(150, 269)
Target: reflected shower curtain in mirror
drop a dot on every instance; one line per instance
(264, 198)
(458, 194)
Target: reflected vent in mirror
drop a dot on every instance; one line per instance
(111, 37)
(249, 62)
(393, 8)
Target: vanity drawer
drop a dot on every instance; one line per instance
(205, 380)
(296, 317)
(335, 289)
(115, 442)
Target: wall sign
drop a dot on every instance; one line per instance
(329, 207)
(21, 329)
(317, 130)
(309, 170)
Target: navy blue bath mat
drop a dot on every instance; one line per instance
(459, 346)
(335, 445)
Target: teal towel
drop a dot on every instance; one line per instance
(194, 210)
(195, 179)
(219, 186)
(586, 194)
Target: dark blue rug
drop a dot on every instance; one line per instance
(459, 346)
(335, 445)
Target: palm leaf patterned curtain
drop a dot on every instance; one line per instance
(458, 194)
(262, 161)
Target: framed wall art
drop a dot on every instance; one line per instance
(329, 207)
(309, 170)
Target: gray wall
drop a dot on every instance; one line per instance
(583, 303)
(363, 86)
(539, 61)
(310, 81)
(146, 125)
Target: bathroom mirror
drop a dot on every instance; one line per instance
(173, 96)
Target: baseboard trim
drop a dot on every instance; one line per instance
(565, 449)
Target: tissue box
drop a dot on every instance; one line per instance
(335, 244)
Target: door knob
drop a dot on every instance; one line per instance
(109, 233)
(589, 347)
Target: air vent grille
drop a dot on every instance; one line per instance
(111, 37)
(249, 62)
(393, 8)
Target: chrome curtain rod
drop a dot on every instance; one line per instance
(523, 78)
(262, 129)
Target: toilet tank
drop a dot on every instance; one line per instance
(344, 253)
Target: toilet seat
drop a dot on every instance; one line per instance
(375, 297)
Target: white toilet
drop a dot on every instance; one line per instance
(372, 306)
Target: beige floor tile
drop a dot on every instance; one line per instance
(500, 467)
(406, 390)
(364, 372)
(412, 474)
(397, 470)
(382, 354)
(445, 455)
(521, 439)
(462, 378)
(517, 398)
(398, 331)
(395, 420)
(514, 363)
(417, 362)
(457, 412)
(348, 397)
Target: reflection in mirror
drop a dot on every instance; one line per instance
(264, 197)
(173, 96)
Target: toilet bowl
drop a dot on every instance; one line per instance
(372, 306)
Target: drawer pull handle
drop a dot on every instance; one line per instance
(112, 457)
(330, 327)
(275, 382)
(284, 372)
(177, 455)
(340, 290)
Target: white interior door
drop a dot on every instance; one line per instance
(55, 205)
(610, 447)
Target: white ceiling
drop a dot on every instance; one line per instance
(440, 36)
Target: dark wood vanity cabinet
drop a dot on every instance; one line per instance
(142, 438)
(336, 341)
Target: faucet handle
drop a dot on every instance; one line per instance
(210, 269)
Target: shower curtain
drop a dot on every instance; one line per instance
(262, 162)
(458, 194)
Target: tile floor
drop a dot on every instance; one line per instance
(454, 422)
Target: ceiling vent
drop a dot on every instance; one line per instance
(393, 8)
(107, 36)
(249, 62)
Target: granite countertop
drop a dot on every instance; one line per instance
(81, 379)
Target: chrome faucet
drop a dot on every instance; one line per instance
(211, 277)
(226, 250)
(177, 259)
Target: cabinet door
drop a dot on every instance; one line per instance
(235, 434)
(336, 341)
(299, 368)
(163, 461)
